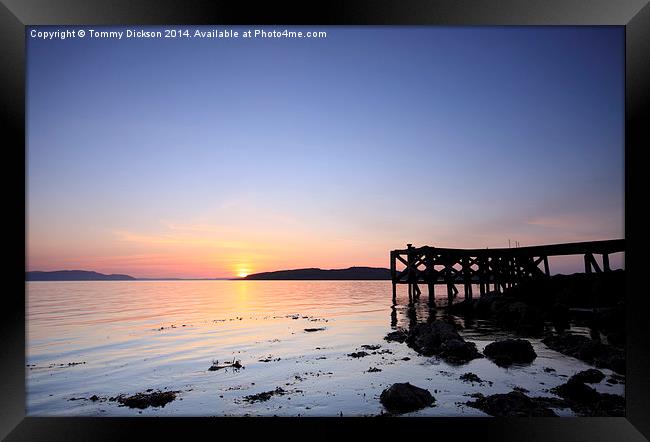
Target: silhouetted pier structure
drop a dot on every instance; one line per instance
(488, 268)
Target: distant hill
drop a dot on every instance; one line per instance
(74, 275)
(353, 273)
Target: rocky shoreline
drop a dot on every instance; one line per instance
(526, 310)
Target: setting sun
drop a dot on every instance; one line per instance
(242, 274)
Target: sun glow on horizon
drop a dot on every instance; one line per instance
(221, 192)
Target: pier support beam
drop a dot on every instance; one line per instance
(468, 291)
(547, 271)
(591, 264)
(432, 294)
(452, 291)
(606, 266)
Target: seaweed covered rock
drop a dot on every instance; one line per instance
(509, 312)
(586, 349)
(560, 317)
(606, 405)
(404, 397)
(611, 322)
(472, 377)
(524, 307)
(513, 404)
(489, 304)
(144, 400)
(508, 351)
(590, 376)
(586, 401)
(576, 391)
(441, 339)
(519, 316)
(265, 395)
(464, 307)
(396, 336)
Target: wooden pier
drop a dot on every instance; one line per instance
(495, 269)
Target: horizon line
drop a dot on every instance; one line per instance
(200, 278)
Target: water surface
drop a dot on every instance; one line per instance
(124, 337)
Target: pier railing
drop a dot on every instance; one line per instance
(489, 268)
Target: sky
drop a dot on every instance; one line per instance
(214, 157)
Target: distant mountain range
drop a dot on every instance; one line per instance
(74, 275)
(352, 273)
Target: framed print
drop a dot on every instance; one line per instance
(360, 217)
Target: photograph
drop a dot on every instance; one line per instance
(325, 221)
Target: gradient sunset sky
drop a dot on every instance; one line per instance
(211, 158)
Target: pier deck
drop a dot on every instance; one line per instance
(489, 268)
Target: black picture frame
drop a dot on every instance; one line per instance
(634, 15)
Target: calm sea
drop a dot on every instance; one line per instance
(111, 338)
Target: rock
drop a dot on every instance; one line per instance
(441, 339)
(311, 330)
(358, 354)
(470, 377)
(397, 336)
(487, 304)
(511, 310)
(265, 395)
(511, 404)
(588, 350)
(552, 402)
(371, 347)
(531, 323)
(464, 307)
(427, 338)
(560, 317)
(612, 322)
(616, 379)
(590, 376)
(576, 391)
(144, 400)
(404, 397)
(508, 311)
(519, 316)
(235, 364)
(458, 351)
(502, 360)
(586, 401)
(269, 358)
(508, 351)
(616, 338)
(524, 307)
(608, 405)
